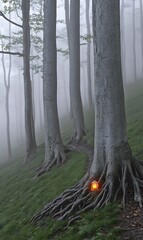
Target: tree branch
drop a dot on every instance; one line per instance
(2, 15)
(12, 53)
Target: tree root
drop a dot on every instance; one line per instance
(78, 137)
(58, 158)
(78, 199)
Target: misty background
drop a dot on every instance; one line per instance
(131, 44)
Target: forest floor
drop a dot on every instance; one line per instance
(130, 218)
(131, 222)
(21, 195)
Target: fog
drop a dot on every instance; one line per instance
(16, 97)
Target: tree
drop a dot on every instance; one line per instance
(67, 18)
(54, 149)
(141, 24)
(7, 88)
(74, 56)
(113, 165)
(123, 43)
(134, 42)
(88, 54)
(29, 120)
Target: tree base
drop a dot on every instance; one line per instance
(78, 137)
(30, 155)
(58, 159)
(72, 202)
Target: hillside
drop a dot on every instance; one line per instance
(21, 195)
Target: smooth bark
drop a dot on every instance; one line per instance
(110, 123)
(7, 88)
(74, 54)
(88, 54)
(67, 18)
(123, 44)
(54, 149)
(29, 122)
(134, 43)
(141, 24)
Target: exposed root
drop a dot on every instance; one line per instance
(57, 157)
(79, 198)
(73, 202)
(78, 137)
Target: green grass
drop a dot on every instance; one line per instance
(134, 112)
(21, 195)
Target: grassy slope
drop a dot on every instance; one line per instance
(134, 106)
(21, 195)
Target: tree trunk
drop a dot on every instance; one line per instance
(7, 88)
(110, 128)
(54, 149)
(33, 87)
(29, 121)
(67, 18)
(141, 24)
(40, 107)
(134, 43)
(123, 44)
(113, 167)
(88, 55)
(74, 54)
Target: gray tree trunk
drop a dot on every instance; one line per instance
(29, 120)
(110, 123)
(88, 54)
(134, 43)
(123, 44)
(141, 23)
(67, 18)
(39, 101)
(33, 87)
(74, 54)
(113, 166)
(7, 88)
(54, 149)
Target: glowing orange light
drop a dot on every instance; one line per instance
(94, 186)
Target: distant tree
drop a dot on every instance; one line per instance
(123, 43)
(67, 18)
(88, 53)
(113, 165)
(141, 24)
(134, 41)
(29, 120)
(74, 57)
(7, 79)
(54, 149)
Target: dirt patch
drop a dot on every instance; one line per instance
(131, 220)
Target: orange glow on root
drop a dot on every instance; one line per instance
(94, 186)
